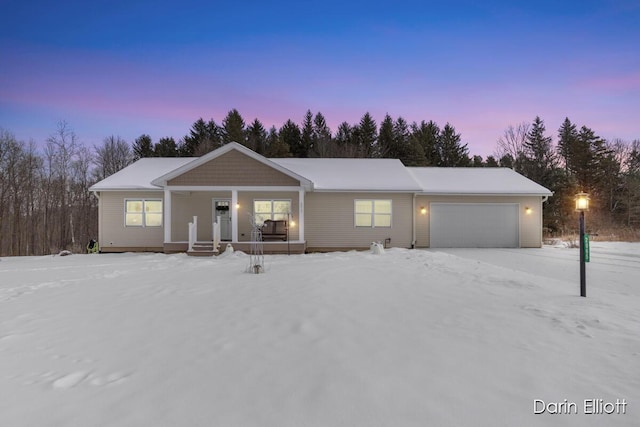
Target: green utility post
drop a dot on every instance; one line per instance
(587, 248)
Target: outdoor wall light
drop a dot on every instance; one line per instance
(423, 210)
(292, 223)
(528, 210)
(237, 205)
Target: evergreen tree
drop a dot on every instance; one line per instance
(367, 136)
(203, 137)
(166, 147)
(426, 134)
(257, 137)
(539, 157)
(506, 161)
(477, 162)
(233, 128)
(400, 140)
(306, 139)
(322, 142)
(142, 147)
(288, 136)
(584, 156)
(406, 149)
(491, 162)
(274, 147)
(567, 139)
(632, 185)
(344, 141)
(453, 152)
(385, 138)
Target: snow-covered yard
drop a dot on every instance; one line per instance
(406, 338)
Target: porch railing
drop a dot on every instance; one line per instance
(193, 233)
(216, 233)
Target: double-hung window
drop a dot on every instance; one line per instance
(372, 213)
(271, 209)
(142, 213)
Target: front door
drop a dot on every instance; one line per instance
(222, 213)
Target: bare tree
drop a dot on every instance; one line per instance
(60, 150)
(19, 166)
(512, 142)
(84, 206)
(114, 154)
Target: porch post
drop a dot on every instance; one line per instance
(301, 215)
(167, 215)
(234, 215)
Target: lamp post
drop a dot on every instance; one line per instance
(582, 205)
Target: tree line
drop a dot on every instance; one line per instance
(415, 144)
(579, 161)
(45, 204)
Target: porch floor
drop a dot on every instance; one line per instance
(205, 248)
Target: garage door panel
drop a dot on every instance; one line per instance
(474, 225)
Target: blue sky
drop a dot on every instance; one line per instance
(127, 68)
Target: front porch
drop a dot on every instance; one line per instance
(195, 218)
(205, 248)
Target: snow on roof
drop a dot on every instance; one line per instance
(353, 174)
(350, 175)
(494, 181)
(138, 175)
(162, 180)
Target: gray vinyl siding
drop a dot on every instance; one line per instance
(186, 205)
(530, 225)
(234, 169)
(112, 231)
(246, 198)
(329, 221)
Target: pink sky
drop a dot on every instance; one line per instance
(480, 69)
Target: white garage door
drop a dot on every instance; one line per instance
(474, 225)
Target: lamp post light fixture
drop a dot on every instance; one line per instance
(582, 205)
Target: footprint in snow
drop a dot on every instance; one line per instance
(71, 380)
(115, 378)
(76, 378)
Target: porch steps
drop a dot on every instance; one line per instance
(202, 249)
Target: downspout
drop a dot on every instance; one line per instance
(544, 199)
(413, 217)
(99, 236)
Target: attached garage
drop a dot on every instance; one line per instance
(477, 208)
(474, 225)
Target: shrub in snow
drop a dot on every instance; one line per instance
(377, 248)
(227, 252)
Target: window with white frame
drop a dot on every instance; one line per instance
(143, 213)
(372, 213)
(271, 209)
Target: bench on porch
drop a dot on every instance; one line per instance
(274, 230)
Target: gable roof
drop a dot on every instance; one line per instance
(139, 175)
(475, 181)
(163, 179)
(353, 174)
(331, 174)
